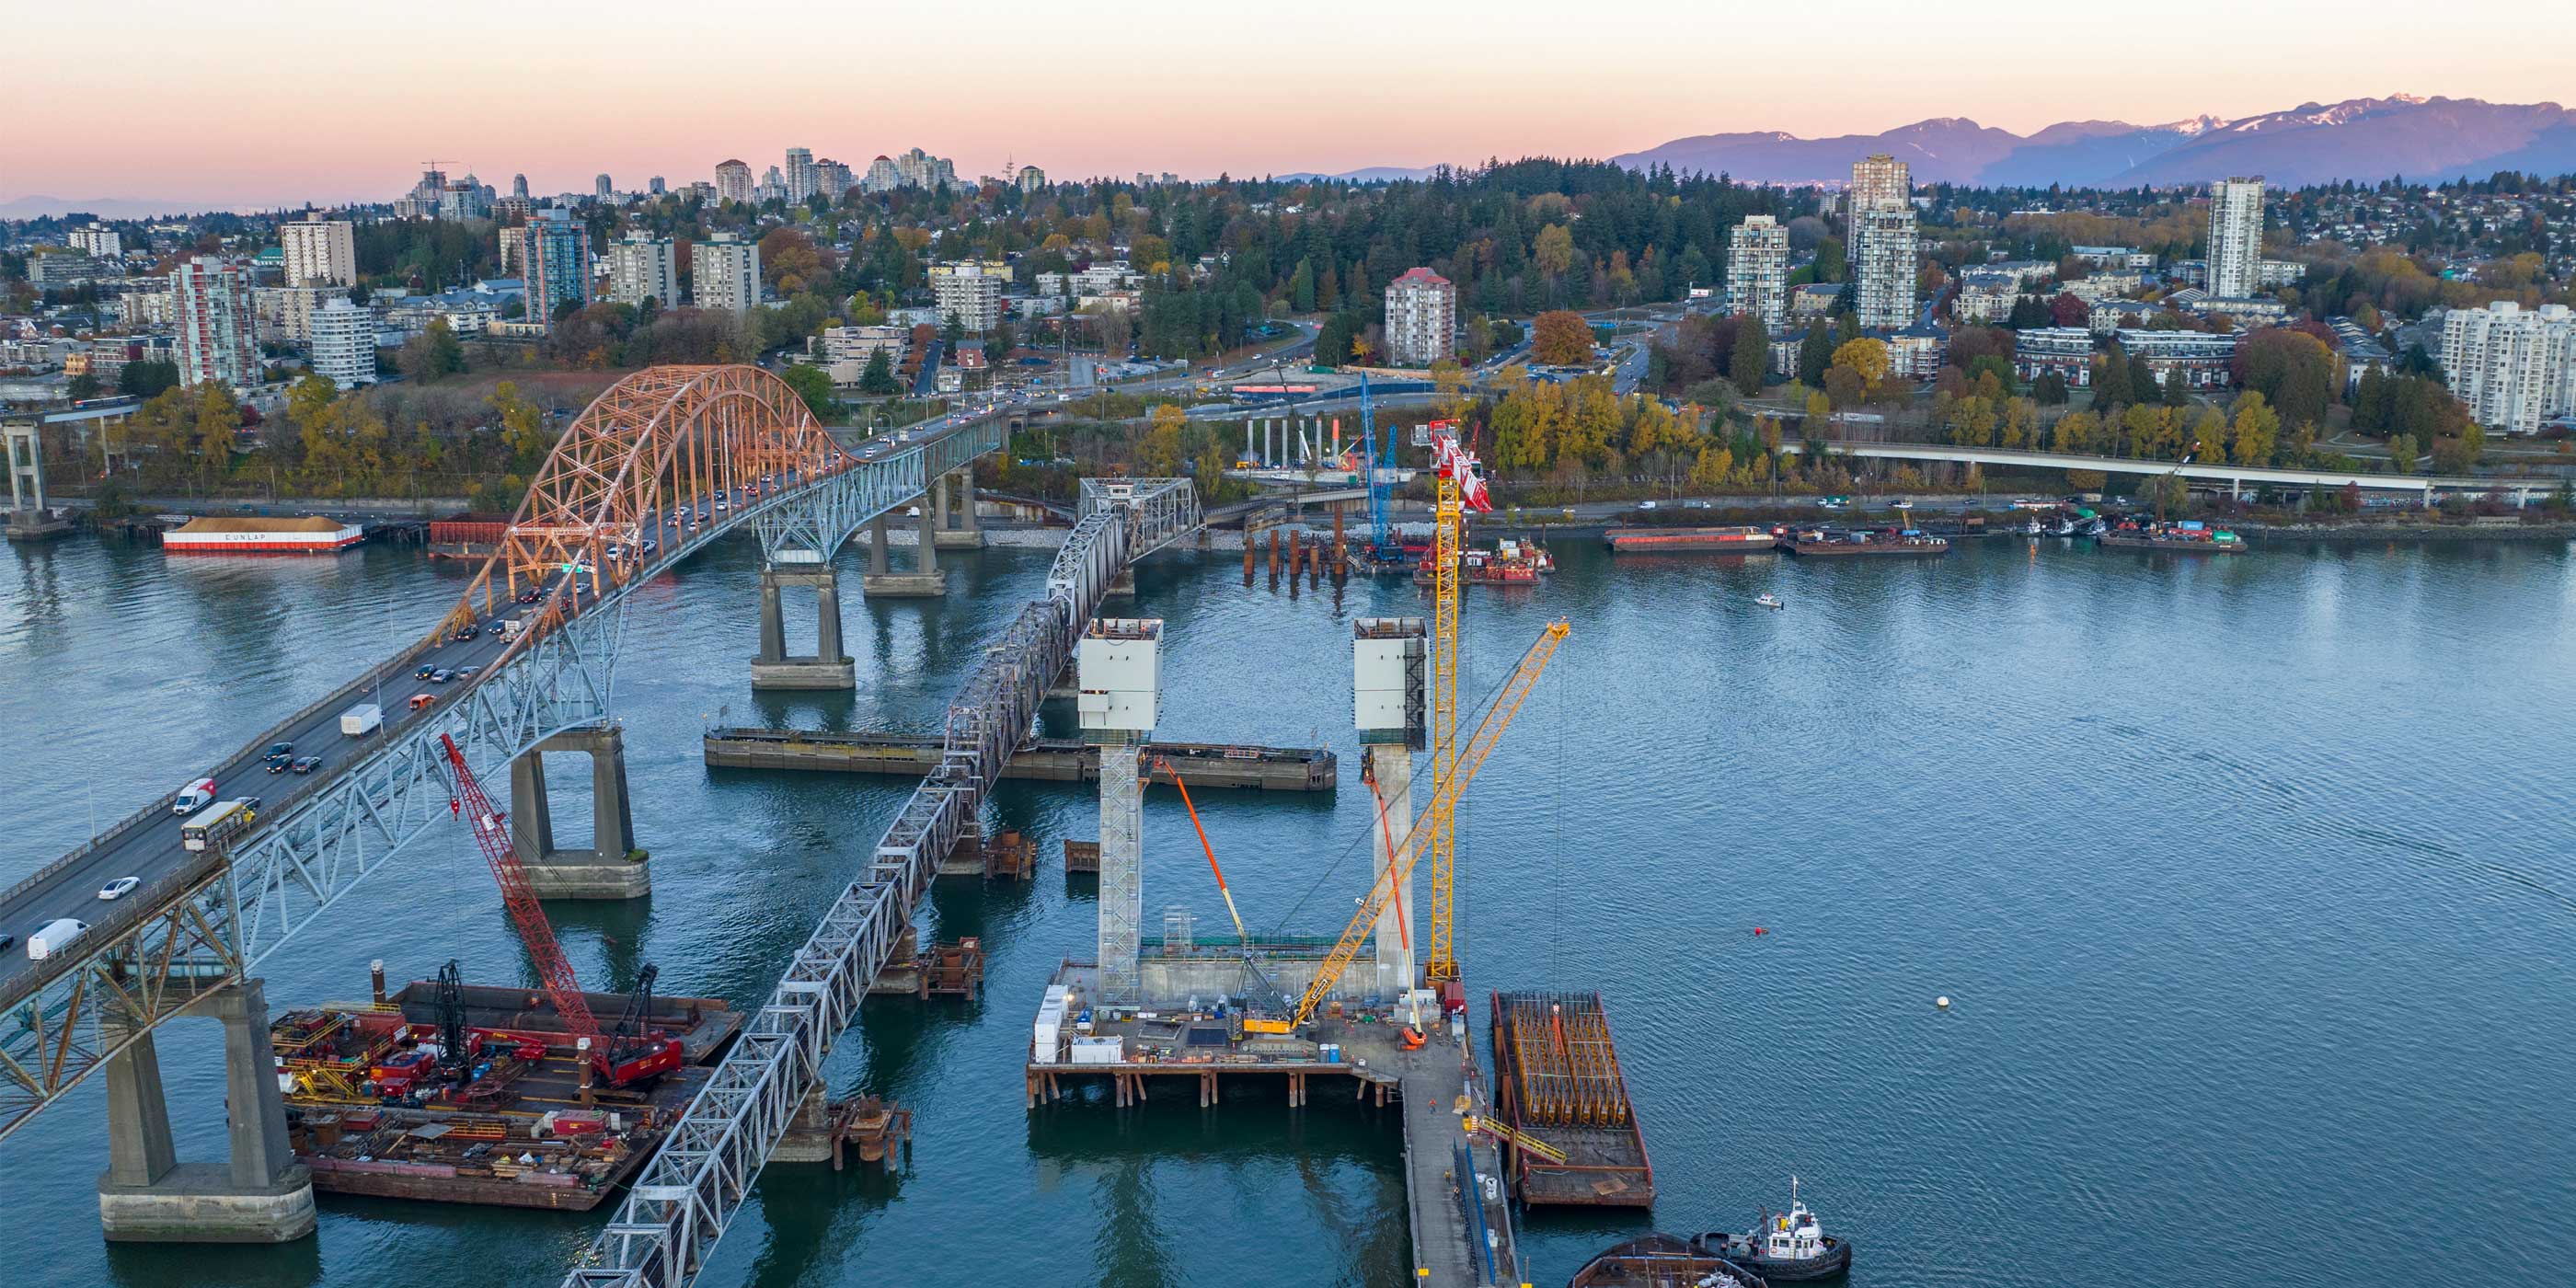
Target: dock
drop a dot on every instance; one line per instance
(1456, 1202)
(1203, 764)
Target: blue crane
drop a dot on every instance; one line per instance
(1385, 553)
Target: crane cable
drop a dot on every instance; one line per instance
(1486, 704)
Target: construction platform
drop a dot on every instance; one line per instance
(530, 1137)
(1557, 1082)
(1273, 769)
(1459, 1216)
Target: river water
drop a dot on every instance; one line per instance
(2252, 882)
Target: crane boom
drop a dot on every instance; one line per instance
(1470, 758)
(1460, 490)
(491, 831)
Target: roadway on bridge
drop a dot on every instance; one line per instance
(151, 850)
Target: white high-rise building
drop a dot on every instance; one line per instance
(1883, 262)
(344, 344)
(98, 241)
(800, 173)
(218, 331)
(724, 274)
(968, 295)
(2513, 368)
(733, 181)
(644, 267)
(2236, 238)
(1877, 180)
(882, 176)
(319, 252)
(1757, 270)
(1421, 318)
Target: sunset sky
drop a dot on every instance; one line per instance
(286, 102)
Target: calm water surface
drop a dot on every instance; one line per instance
(2252, 882)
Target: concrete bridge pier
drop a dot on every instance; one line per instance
(828, 667)
(22, 450)
(925, 581)
(612, 868)
(958, 528)
(261, 1196)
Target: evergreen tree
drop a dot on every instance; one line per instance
(1752, 355)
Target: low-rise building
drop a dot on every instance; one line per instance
(846, 350)
(2205, 360)
(2063, 351)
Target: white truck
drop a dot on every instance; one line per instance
(361, 720)
(53, 937)
(513, 625)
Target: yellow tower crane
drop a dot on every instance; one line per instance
(1444, 795)
(1459, 489)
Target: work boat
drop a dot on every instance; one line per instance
(1787, 1248)
(1769, 600)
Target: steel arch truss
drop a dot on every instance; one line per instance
(693, 1189)
(808, 525)
(655, 445)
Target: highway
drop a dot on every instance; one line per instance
(150, 849)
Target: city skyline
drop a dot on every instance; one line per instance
(1090, 102)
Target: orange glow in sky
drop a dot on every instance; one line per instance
(292, 101)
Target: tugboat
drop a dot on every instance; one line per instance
(1787, 1248)
(1769, 600)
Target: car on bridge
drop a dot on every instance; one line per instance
(441, 676)
(305, 764)
(119, 888)
(531, 595)
(278, 751)
(420, 700)
(468, 631)
(425, 672)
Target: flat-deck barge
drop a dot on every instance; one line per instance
(1203, 764)
(1659, 540)
(527, 1136)
(1819, 543)
(1557, 1081)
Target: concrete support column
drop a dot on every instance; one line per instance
(773, 621)
(1122, 874)
(22, 452)
(827, 667)
(957, 530)
(1391, 764)
(251, 1096)
(878, 562)
(139, 1151)
(808, 1138)
(927, 557)
(262, 1195)
(612, 868)
(925, 581)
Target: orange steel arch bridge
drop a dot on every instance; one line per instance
(664, 462)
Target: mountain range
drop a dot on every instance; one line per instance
(2362, 139)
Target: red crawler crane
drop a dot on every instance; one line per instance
(636, 1051)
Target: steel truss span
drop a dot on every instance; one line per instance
(657, 444)
(692, 1190)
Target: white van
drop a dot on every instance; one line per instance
(193, 797)
(53, 937)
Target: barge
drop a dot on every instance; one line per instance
(2189, 537)
(1739, 540)
(226, 535)
(1557, 1082)
(1823, 543)
(1203, 764)
(533, 1128)
(1509, 563)
(1661, 1260)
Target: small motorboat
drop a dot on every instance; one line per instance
(2031, 529)
(1788, 1247)
(1769, 600)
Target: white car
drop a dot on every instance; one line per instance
(119, 888)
